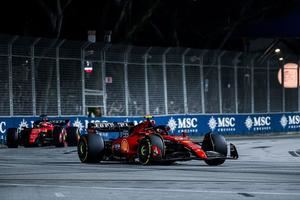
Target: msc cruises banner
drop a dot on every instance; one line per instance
(195, 125)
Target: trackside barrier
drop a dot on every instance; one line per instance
(195, 125)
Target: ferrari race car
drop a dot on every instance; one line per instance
(148, 144)
(44, 132)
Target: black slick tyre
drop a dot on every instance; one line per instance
(144, 151)
(73, 136)
(215, 162)
(24, 137)
(217, 143)
(151, 149)
(38, 142)
(90, 148)
(12, 138)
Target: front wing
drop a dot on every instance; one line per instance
(210, 155)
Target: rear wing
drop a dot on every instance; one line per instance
(59, 122)
(54, 122)
(111, 126)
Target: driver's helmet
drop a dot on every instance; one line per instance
(150, 119)
(44, 118)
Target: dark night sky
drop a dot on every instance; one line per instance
(189, 23)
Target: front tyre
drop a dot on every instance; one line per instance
(151, 149)
(144, 151)
(215, 162)
(216, 143)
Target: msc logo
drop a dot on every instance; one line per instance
(2, 127)
(23, 124)
(222, 123)
(187, 123)
(182, 123)
(292, 121)
(258, 123)
(295, 119)
(77, 123)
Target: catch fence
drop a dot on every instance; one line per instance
(46, 76)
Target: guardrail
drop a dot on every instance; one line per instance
(195, 125)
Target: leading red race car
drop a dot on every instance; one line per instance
(148, 144)
(44, 132)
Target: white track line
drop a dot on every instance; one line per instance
(59, 194)
(155, 189)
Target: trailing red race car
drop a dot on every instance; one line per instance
(148, 144)
(44, 132)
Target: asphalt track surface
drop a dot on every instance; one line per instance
(267, 169)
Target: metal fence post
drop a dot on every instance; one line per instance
(10, 81)
(146, 80)
(33, 76)
(220, 82)
(268, 86)
(252, 85)
(236, 108)
(84, 46)
(58, 77)
(103, 81)
(298, 72)
(283, 89)
(236, 83)
(165, 79)
(201, 62)
(126, 79)
(184, 81)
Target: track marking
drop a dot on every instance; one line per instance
(261, 147)
(157, 190)
(59, 194)
(246, 194)
(70, 152)
(294, 153)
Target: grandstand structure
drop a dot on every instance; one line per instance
(45, 76)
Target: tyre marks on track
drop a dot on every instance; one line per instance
(295, 153)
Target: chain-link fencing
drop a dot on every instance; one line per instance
(44, 76)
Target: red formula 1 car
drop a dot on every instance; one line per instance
(44, 132)
(148, 144)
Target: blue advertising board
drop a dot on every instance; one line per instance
(195, 125)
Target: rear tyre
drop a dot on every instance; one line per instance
(24, 137)
(38, 142)
(90, 148)
(73, 136)
(12, 138)
(217, 143)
